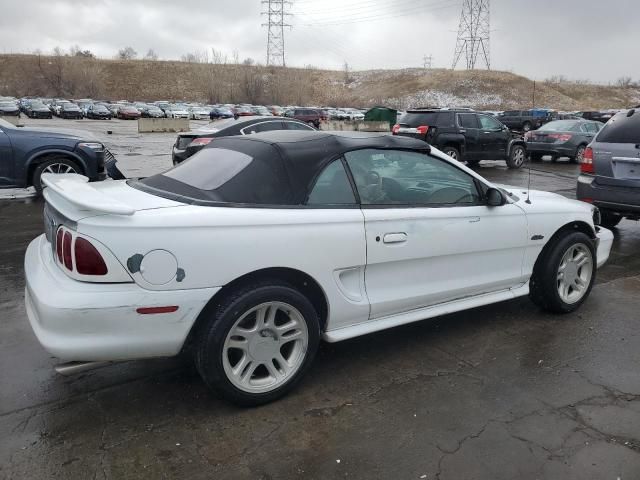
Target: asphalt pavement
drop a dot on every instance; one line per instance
(499, 392)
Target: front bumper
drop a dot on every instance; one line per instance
(604, 241)
(79, 321)
(623, 200)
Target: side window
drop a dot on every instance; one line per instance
(262, 127)
(393, 177)
(297, 126)
(332, 187)
(445, 119)
(468, 120)
(592, 128)
(488, 123)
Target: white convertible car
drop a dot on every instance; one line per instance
(259, 246)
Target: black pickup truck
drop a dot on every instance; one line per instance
(464, 135)
(521, 120)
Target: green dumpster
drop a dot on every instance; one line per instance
(381, 114)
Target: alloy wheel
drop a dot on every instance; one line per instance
(265, 347)
(59, 168)
(574, 273)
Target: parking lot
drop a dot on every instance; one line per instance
(499, 392)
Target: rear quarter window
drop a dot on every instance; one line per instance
(622, 129)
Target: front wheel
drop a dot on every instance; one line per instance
(526, 126)
(53, 165)
(564, 274)
(453, 152)
(579, 156)
(517, 156)
(258, 343)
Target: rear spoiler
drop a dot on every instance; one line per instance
(77, 190)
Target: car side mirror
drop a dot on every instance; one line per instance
(495, 198)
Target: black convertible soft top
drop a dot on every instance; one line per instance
(265, 169)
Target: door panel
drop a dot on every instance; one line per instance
(448, 253)
(7, 167)
(469, 127)
(493, 138)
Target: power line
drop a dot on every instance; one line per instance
(427, 62)
(276, 14)
(473, 33)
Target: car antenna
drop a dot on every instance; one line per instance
(528, 200)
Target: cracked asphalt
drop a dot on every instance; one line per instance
(498, 392)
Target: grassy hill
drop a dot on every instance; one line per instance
(171, 80)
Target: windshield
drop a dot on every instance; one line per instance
(622, 128)
(561, 126)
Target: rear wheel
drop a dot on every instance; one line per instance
(453, 152)
(517, 156)
(579, 156)
(564, 274)
(258, 343)
(53, 165)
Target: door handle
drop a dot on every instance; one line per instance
(462, 130)
(394, 237)
(474, 219)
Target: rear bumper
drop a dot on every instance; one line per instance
(622, 200)
(78, 321)
(551, 149)
(604, 243)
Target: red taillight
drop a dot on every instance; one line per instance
(59, 245)
(563, 137)
(422, 129)
(66, 251)
(587, 161)
(196, 142)
(88, 259)
(395, 128)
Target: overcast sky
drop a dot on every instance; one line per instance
(581, 39)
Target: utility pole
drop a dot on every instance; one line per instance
(473, 34)
(534, 95)
(276, 13)
(427, 61)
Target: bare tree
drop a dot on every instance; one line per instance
(195, 57)
(624, 82)
(151, 55)
(127, 53)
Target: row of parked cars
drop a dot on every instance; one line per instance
(526, 120)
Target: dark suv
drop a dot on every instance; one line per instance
(25, 154)
(522, 120)
(610, 170)
(464, 135)
(310, 116)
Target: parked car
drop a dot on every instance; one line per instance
(56, 106)
(521, 120)
(177, 111)
(275, 110)
(242, 111)
(464, 135)
(152, 111)
(128, 112)
(220, 112)
(561, 138)
(98, 112)
(310, 116)
(610, 170)
(9, 109)
(220, 255)
(113, 108)
(27, 153)
(597, 116)
(353, 114)
(189, 143)
(70, 110)
(199, 113)
(37, 109)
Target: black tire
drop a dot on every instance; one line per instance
(526, 126)
(609, 219)
(220, 318)
(543, 286)
(453, 152)
(579, 155)
(36, 180)
(473, 163)
(535, 157)
(517, 156)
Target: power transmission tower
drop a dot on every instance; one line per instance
(276, 13)
(427, 62)
(473, 33)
